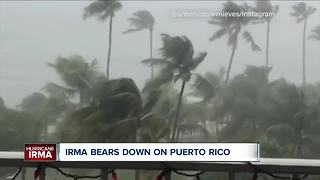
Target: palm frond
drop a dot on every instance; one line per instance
(132, 30)
(315, 33)
(300, 8)
(53, 88)
(218, 34)
(141, 20)
(102, 9)
(156, 61)
(156, 82)
(219, 21)
(311, 10)
(76, 72)
(204, 86)
(301, 11)
(178, 49)
(247, 36)
(94, 8)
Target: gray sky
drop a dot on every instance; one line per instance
(33, 33)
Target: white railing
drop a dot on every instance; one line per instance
(269, 166)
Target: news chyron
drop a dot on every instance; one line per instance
(201, 152)
(40, 152)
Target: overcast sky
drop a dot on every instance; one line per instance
(33, 33)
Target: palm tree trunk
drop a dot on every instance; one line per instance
(304, 53)
(151, 30)
(109, 46)
(174, 129)
(267, 49)
(230, 63)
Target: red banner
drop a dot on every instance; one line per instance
(40, 152)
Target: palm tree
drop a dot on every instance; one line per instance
(266, 6)
(242, 105)
(232, 27)
(46, 110)
(15, 128)
(295, 117)
(114, 102)
(177, 63)
(35, 104)
(143, 20)
(301, 12)
(114, 115)
(315, 33)
(207, 87)
(103, 10)
(78, 76)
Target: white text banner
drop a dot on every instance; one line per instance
(220, 152)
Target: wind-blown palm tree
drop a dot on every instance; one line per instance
(266, 6)
(78, 76)
(207, 87)
(294, 117)
(302, 12)
(103, 10)
(143, 20)
(241, 105)
(17, 127)
(232, 27)
(35, 104)
(115, 114)
(315, 33)
(177, 63)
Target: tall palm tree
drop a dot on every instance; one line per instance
(232, 27)
(143, 20)
(177, 63)
(266, 6)
(302, 12)
(103, 10)
(315, 33)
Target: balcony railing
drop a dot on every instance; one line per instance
(266, 165)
